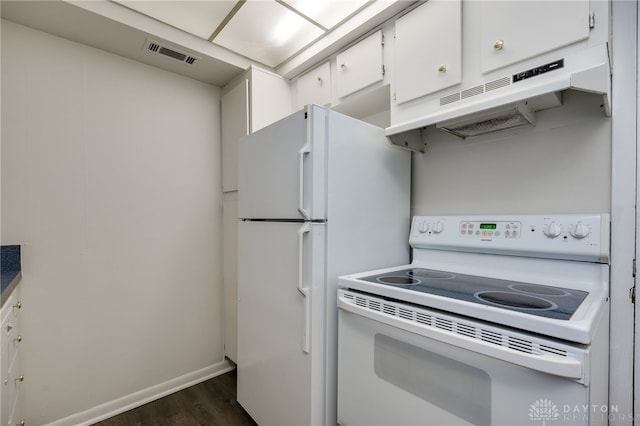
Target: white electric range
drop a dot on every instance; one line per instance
(497, 320)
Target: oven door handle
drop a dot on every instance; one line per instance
(545, 362)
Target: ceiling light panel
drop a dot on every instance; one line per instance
(267, 31)
(327, 13)
(200, 18)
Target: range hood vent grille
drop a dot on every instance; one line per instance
(510, 117)
(477, 90)
(497, 84)
(155, 47)
(450, 99)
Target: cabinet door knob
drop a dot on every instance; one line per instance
(498, 44)
(442, 68)
(20, 378)
(18, 305)
(343, 65)
(319, 79)
(18, 339)
(21, 423)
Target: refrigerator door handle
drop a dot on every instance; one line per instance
(306, 325)
(306, 149)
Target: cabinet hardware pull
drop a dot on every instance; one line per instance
(21, 423)
(18, 305)
(20, 378)
(498, 44)
(442, 68)
(343, 65)
(18, 339)
(319, 79)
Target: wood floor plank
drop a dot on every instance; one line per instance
(210, 403)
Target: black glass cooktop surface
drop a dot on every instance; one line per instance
(542, 300)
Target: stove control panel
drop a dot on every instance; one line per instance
(495, 229)
(573, 237)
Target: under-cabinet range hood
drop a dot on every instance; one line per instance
(508, 101)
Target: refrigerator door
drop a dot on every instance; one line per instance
(281, 298)
(281, 168)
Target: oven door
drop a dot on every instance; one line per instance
(402, 365)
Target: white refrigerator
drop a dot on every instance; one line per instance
(320, 195)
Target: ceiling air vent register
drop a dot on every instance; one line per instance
(155, 47)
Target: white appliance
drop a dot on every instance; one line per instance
(498, 320)
(320, 194)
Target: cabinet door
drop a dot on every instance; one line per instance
(512, 31)
(315, 86)
(4, 362)
(271, 98)
(360, 66)
(428, 49)
(235, 124)
(14, 367)
(16, 381)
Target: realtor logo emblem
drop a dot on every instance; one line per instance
(543, 410)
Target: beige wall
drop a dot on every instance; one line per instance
(562, 165)
(111, 181)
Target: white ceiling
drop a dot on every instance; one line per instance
(226, 36)
(266, 31)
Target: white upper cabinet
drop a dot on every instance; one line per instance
(252, 101)
(428, 49)
(235, 124)
(512, 31)
(315, 86)
(270, 98)
(360, 66)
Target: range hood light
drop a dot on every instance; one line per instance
(509, 117)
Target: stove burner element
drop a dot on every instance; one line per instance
(538, 289)
(515, 300)
(429, 274)
(411, 284)
(398, 280)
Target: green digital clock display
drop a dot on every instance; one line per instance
(488, 226)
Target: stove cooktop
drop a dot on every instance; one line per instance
(535, 299)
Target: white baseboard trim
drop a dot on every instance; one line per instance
(136, 399)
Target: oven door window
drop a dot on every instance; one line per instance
(453, 386)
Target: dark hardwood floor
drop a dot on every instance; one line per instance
(209, 403)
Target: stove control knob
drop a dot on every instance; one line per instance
(552, 230)
(437, 227)
(579, 230)
(423, 227)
